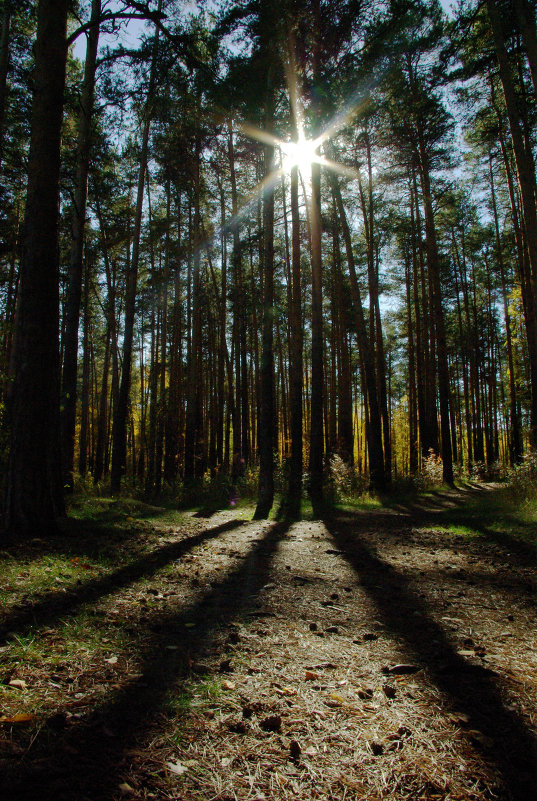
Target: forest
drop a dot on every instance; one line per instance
(268, 400)
(301, 239)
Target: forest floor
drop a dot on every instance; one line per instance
(382, 653)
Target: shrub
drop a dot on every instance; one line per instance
(342, 480)
(431, 474)
(522, 478)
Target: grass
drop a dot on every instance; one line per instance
(108, 510)
(500, 514)
(69, 617)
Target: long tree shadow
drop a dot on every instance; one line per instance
(465, 509)
(519, 590)
(475, 519)
(48, 609)
(84, 763)
(469, 688)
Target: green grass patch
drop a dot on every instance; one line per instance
(362, 503)
(497, 514)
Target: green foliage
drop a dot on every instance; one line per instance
(430, 474)
(343, 481)
(522, 480)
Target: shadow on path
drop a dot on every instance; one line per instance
(46, 611)
(467, 688)
(83, 763)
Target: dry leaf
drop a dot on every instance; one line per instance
(22, 717)
(400, 670)
(177, 768)
(459, 717)
(481, 739)
(338, 698)
(112, 660)
(311, 676)
(19, 684)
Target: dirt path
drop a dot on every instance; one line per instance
(369, 656)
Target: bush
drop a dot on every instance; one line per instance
(522, 478)
(343, 481)
(431, 474)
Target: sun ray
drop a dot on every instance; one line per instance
(337, 166)
(252, 132)
(295, 97)
(342, 118)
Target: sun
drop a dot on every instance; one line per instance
(299, 154)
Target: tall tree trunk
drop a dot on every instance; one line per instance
(162, 405)
(174, 410)
(109, 348)
(34, 487)
(194, 444)
(374, 307)
(526, 182)
(412, 405)
(428, 423)
(119, 432)
(84, 400)
(419, 326)
(438, 316)
(515, 434)
(525, 17)
(266, 424)
(465, 347)
(222, 344)
(317, 381)
(345, 437)
(377, 474)
(78, 225)
(238, 411)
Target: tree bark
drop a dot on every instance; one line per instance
(515, 434)
(119, 432)
(377, 475)
(526, 183)
(266, 423)
(34, 488)
(525, 16)
(78, 225)
(438, 316)
(194, 466)
(317, 380)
